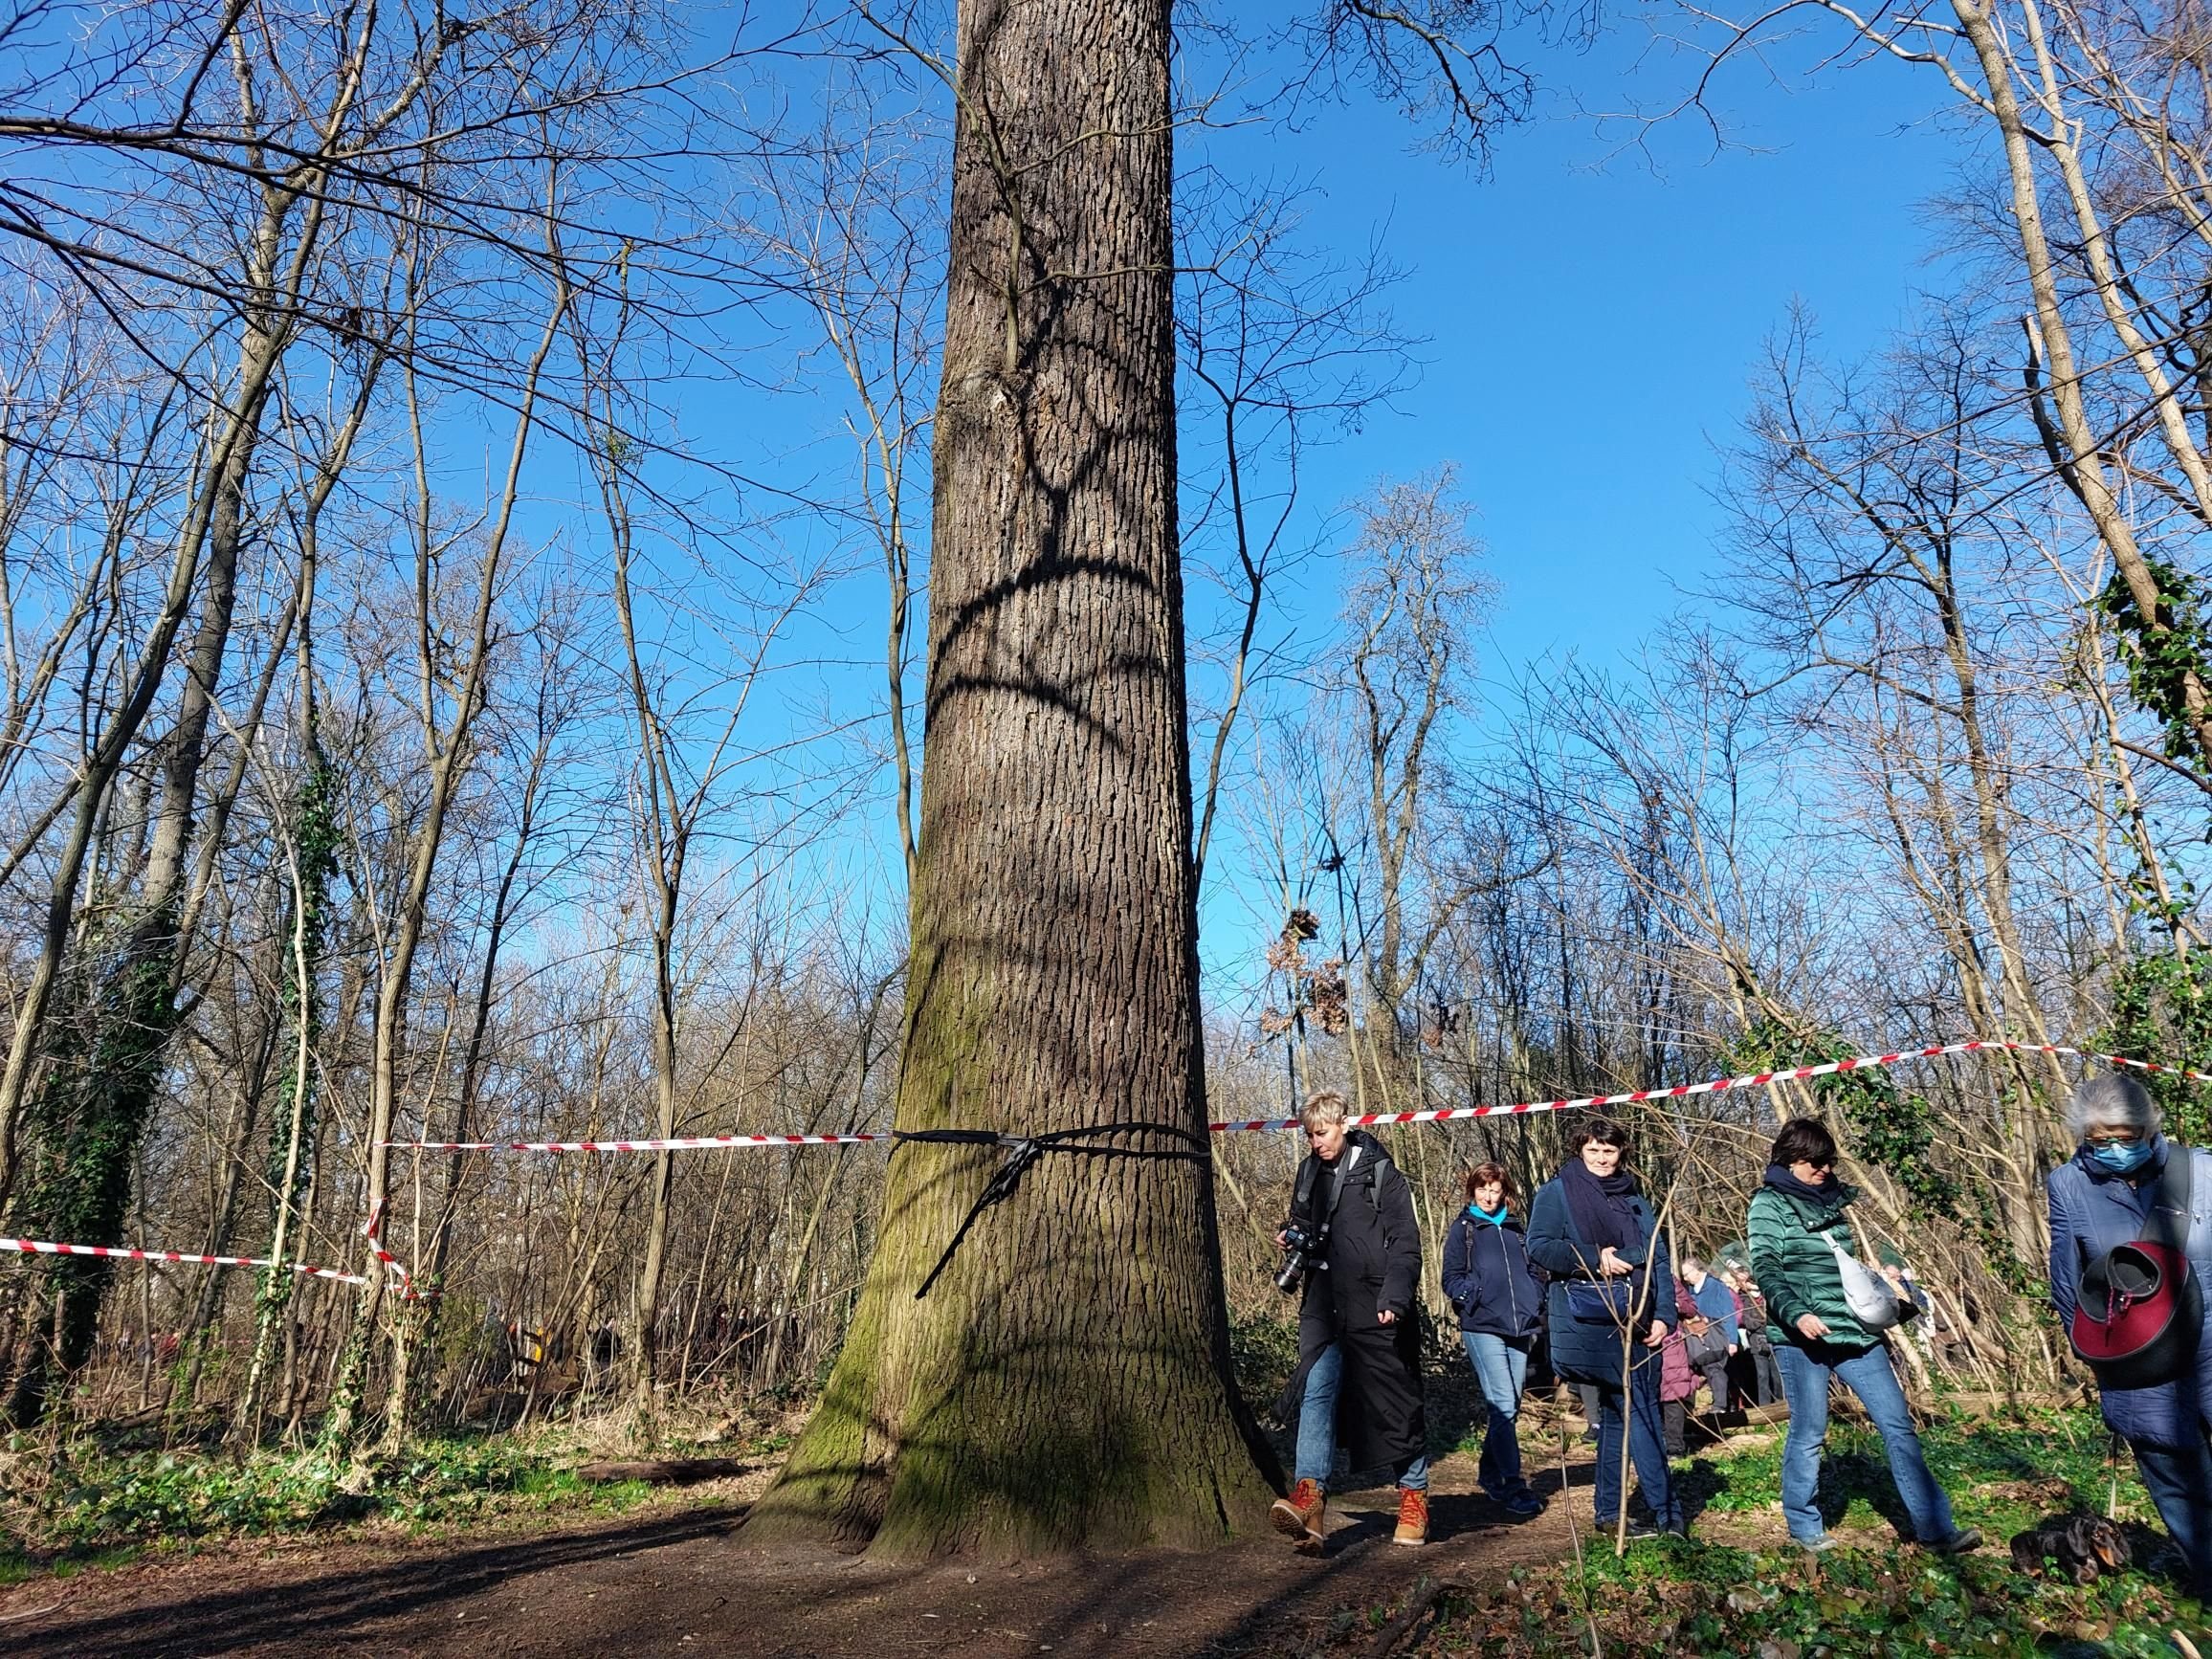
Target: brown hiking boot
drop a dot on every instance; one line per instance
(1298, 1517)
(1412, 1519)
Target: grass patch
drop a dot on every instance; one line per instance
(90, 1506)
(1874, 1597)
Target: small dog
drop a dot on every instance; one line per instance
(2083, 1545)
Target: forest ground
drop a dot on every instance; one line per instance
(680, 1579)
(675, 1574)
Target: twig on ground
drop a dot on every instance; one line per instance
(1416, 1608)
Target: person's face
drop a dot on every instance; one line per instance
(1327, 1139)
(1490, 1195)
(1599, 1158)
(2112, 1135)
(1813, 1174)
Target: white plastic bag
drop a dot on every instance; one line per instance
(1867, 1294)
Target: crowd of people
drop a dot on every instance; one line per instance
(1640, 1328)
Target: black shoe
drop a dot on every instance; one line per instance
(1637, 1528)
(1961, 1542)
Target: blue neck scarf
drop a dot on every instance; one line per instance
(1495, 1218)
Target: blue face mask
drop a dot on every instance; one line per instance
(2121, 1156)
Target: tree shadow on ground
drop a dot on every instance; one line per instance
(310, 1613)
(645, 1586)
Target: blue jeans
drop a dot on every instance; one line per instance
(2180, 1484)
(1316, 1455)
(1870, 1375)
(1646, 1447)
(1502, 1369)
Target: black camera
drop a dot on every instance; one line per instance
(1300, 1247)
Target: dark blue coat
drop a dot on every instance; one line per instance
(1587, 1351)
(1486, 1275)
(2090, 1206)
(1717, 1303)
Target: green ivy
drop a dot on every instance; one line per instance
(2161, 1009)
(1891, 1130)
(83, 1129)
(318, 837)
(2160, 660)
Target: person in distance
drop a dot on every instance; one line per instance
(1359, 1373)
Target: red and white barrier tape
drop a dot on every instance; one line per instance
(1750, 1080)
(124, 1252)
(1442, 1115)
(41, 1246)
(680, 1143)
(391, 1263)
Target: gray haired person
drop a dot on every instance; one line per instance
(2105, 1195)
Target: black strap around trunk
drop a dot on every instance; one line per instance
(1023, 1151)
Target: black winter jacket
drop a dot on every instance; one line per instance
(1370, 1261)
(1488, 1278)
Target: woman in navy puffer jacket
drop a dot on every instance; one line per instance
(1501, 1308)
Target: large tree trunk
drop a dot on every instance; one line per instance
(1065, 1380)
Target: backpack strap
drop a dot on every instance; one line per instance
(2169, 1221)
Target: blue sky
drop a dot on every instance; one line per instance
(1594, 320)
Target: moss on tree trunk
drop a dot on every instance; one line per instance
(1067, 1380)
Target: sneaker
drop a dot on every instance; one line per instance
(1299, 1516)
(1521, 1506)
(1412, 1519)
(1961, 1542)
(1819, 1546)
(1637, 1529)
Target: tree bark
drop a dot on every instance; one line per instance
(1067, 1380)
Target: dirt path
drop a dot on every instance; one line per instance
(687, 1584)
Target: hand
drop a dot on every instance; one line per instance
(1385, 1317)
(1811, 1327)
(1732, 1350)
(1656, 1334)
(1611, 1264)
(1282, 1241)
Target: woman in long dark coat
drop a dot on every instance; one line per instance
(1610, 1306)
(1358, 1377)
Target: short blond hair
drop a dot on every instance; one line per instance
(1324, 1106)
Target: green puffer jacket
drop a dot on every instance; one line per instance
(1796, 1269)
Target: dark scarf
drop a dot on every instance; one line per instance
(1601, 1208)
(1830, 1194)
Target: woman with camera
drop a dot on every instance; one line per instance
(1358, 1342)
(1610, 1306)
(1500, 1307)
